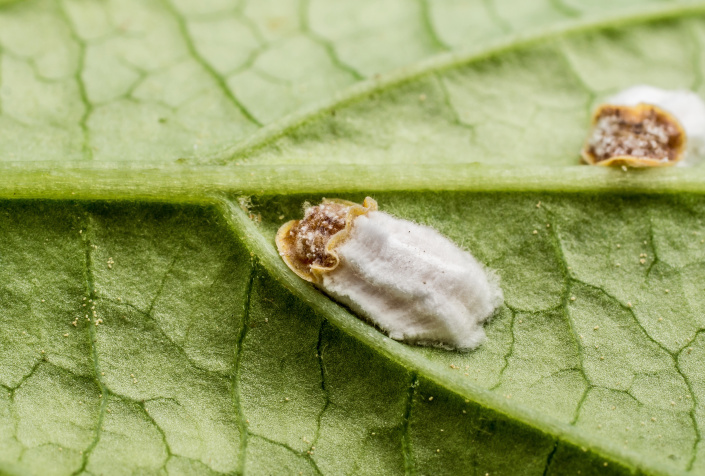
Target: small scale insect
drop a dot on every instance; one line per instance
(407, 279)
(644, 126)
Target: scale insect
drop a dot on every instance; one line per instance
(644, 126)
(407, 279)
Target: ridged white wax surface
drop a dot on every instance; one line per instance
(414, 283)
(686, 106)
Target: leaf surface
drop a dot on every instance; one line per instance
(149, 326)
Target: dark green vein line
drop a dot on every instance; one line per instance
(324, 388)
(406, 447)
(494, 15)
(557, 246)
(236, 390)
(88, 107)
(427, 23)
(549, 459)
(193, 51)
(304, 8)
(91, 295)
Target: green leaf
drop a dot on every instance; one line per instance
(149, 326)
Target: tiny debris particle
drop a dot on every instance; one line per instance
(629, 304)
(572, 298)
(535, 232)
(438, 451)
(614, 407)
(668, 291)
(618, 245)
(66, 335)
(430, 399)
(538, 205)
(548, 225)
(642, 261)
(422, 97)
(673, 403)
(596, 328)
(602, 357)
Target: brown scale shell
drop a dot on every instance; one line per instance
(314, 273)
(635, 115)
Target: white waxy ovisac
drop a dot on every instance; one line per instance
(686, 106)
(409, 280)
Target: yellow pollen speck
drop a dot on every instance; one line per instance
(602, 357)
(660, 319)
(596, 328)
(618, 245)
(66, 335)
(629, 304)
(430, 398)
(673, 403)
(538, 205)
(535, 232)
(572, 298)
(642, 261)
(548, 225)
(618, 265)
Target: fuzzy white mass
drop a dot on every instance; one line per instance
(413, 283)
(686, 106)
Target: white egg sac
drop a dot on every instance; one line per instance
(645, 126)
(407, 279)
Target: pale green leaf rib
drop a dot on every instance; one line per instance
(471, 101)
